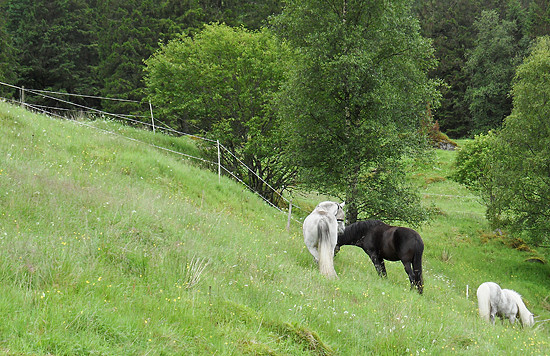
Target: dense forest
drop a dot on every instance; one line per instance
(98, 48)
(268, 77)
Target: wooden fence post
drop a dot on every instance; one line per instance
(152, 118)
(289, 215)
(219, 163)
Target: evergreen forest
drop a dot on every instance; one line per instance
(98, 48)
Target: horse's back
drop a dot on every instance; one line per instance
(404, 241)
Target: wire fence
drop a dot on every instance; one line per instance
(154, 125)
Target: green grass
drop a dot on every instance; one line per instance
(112, 246)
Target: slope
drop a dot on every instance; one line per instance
(111, 246)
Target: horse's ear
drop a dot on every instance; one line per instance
(342, 204)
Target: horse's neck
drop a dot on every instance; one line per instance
(349, 236)
(356, 231)
(507, 300)
(524, 313)
(345, 238)
(512, 300)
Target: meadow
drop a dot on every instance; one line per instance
(111, 246)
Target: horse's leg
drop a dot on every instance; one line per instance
(415, 277)
(382, 268)
(314, 252)
(378, 263)
(492, 317)
(312, 247)
(409, 270)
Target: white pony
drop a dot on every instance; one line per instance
(321, 229)
(506, 303)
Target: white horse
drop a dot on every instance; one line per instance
(505, 303)
(321, 229)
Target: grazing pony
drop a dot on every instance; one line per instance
(321, 229)
(384, 242)
(505, 303)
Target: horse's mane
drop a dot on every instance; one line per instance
(524, 313)
(362, 226)
(355, 231)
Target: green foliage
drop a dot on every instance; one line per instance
(449, 23)
(491, 66)
(98, 47)
(6, 56)
(538, 18)
(523, 148)
(54, 44)
(510, 168)
(251, 14)
(354, 100)
(129, 32)
(220, 82)
(473, 162)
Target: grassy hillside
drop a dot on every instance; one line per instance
(112, 246)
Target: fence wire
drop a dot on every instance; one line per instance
(51, 111)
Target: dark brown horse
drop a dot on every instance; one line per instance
(384, 242)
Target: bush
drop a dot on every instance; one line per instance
(473, 163)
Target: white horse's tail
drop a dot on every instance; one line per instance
(326, 250)
(484, 301)
(525, 315)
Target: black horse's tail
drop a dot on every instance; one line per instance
(417, 265)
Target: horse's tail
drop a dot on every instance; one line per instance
(417, 265)
(326, 249)
(484, 301)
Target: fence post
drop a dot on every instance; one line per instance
(289, 215)
(219, 163)
(22, 96)
(152, 118)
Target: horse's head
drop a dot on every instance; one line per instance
(531, 321)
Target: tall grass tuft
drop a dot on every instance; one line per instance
(194, 270)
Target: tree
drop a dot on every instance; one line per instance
(474, 164)
(251, 14)
(538, 18)
(7, 58)
(522, 167)
(220, 83)
(130, 31)
(449, 24)
(54, 44)
(491, 67)
(354, 100)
